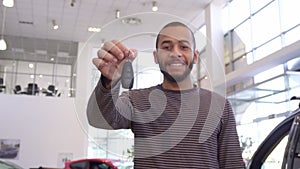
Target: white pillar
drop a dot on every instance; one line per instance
(83, 82)
(215, 48)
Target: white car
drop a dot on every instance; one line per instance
(9, 165)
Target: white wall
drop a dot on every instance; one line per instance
(46, 127)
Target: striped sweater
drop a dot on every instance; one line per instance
(173, 129)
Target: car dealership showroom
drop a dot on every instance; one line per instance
(248, 52)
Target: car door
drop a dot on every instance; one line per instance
(278, 149)
(292, 153)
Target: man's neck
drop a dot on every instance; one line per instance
(183, 85)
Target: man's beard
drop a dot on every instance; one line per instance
(178, 78)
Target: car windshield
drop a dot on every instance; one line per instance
(9, 165)
(123, 164)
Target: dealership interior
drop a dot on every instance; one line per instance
(249, 53)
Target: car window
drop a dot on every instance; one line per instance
(79, 165)
(99, 165)
(275, 158)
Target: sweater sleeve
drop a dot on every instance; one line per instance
(107, 110)
(230, 155)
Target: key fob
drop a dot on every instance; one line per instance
(127, 75)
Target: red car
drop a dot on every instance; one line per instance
(95, 163)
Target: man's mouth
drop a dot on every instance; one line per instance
(176, 64)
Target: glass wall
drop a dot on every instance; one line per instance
(254, 30)
(23, 73)
(259, 29)
(40, 71)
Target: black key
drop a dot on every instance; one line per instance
(127, 75)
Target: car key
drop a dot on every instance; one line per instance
(127, 75)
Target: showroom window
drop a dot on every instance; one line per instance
(46, 64)
(261, 28)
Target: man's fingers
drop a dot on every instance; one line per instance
(132, 54)
(116, 49)
(104, 55)
(99, 63)
(122, 47)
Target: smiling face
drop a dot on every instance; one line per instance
(175, 53)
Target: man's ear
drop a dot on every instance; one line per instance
(196, 56)
(155, 56)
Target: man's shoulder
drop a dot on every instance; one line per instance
(210, 93)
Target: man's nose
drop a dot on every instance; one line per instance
(176, 51)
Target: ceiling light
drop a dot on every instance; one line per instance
(52, 59)
(55, 26)
(117, 14)
(3, 45)
(72, 3)
(8, 3)
(93, 29)
(30, 65)
(154, 6)
(132, 21)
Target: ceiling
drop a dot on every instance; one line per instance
(29, 31)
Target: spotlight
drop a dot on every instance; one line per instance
(117, 14)
(72, 3)
(55, 26)
(154, 6)
(3, 45)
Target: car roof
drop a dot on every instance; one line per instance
(95, 159)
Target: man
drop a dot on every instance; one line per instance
(176, 124)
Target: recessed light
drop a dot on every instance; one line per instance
(94, 29)
(30, 65)
(132, 21)
(55, 27)
(8, 3)
(52, 59)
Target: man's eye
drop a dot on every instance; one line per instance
(167, 47)
(185, 47)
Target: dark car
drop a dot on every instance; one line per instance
(9, 152)
(281, 148)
